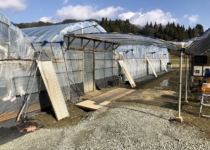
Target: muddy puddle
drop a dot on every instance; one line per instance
(163, 85)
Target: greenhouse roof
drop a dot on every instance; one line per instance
(82, 42)
(56, 32)
(200, 45)
(90, 29)
(126, 39)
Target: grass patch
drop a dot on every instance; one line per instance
(174, 61)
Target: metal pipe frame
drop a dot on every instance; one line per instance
(180, 83)
(186, 78)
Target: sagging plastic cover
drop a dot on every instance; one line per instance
(13, 43)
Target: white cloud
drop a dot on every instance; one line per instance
(45, 19)
(82, 12)
(65, 1)
(14, 5)
(192, 18)
(153, 16)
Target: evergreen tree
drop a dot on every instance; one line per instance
(155, 27)
(198, 29)
(102, 23)
(120, 25)
(147, 25)
(160, 30)
(150, 25)
(190, 33)
(175, 35)
(171, 31)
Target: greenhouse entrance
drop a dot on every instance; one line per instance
(88, 72)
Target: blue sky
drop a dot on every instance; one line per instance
(184, 12)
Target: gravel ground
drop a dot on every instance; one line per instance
(122, 127)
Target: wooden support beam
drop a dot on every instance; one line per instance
(150, 64)
(86, 44)
(163, 64)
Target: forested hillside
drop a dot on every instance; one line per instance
(169, 32)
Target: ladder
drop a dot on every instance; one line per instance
(202, 104)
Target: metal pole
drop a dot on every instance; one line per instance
(186, 78)
(180, 83)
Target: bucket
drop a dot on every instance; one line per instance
(206, 88)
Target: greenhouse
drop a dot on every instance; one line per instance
(143, 56)
(40, 65)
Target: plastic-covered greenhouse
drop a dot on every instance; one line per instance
(136, 51)
(83, 57)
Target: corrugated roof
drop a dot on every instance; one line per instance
(200, 44)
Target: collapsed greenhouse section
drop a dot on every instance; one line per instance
(42, 65)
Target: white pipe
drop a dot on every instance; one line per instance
(180, 83)
(186, 78)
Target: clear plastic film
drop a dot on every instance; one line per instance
(136, 62)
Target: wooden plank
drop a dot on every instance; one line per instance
(53, 88)
(104, 99)
(150, 64)
(163, 64)
(88, 77)
(127, 73)
(13, 114)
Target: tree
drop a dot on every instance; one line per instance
(150, 25)
(160, 28)
(198, 29)
(155, 27)
(171, 31)
(147, 25)
(190, 33)
(175, 35)
(102, 23)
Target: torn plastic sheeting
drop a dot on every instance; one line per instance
(20, 47)
(16, 78)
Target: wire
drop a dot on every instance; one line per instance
(27, 103)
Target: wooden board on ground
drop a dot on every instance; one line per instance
(104, 99)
